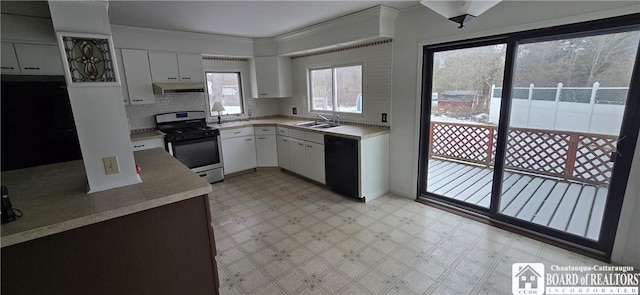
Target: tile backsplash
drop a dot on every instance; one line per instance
(143, 116)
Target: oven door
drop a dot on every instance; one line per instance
(198, 154)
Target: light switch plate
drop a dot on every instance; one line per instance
(111, 165)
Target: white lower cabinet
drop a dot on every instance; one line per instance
(146, 144)
(283, 152)
(299, 155)
(297, 160)
(266, 151)
(314, 153)
(238, 150)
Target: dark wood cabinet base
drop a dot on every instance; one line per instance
(165, 250)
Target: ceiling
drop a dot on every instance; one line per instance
(254, 19)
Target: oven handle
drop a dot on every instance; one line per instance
(170, 148)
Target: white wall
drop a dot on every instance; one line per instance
(376, 96)
(176, 41)
(98, 111)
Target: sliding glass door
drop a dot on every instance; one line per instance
(530, 128)
(462, 128)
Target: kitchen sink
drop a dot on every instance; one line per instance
(316, 124)
(308, 124)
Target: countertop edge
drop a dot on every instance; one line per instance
(52, 229)
(137, 136)
(291, 124)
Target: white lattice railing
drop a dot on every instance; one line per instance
(569, 155)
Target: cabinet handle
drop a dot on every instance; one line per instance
(309, 146)
(260, 137)
(31, 68)
(284, 140)
(300, 143)
(186, 78)
(7, 68)
(264, 129)
(263, 94)
(248, 139)
(172, 78)
(237, 132)
(137, 146)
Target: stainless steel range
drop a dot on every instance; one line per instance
(193, 143)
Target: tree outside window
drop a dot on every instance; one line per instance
(336, 89)
(225, 88)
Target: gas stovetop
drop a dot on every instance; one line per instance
(186, 133)
(180, 126)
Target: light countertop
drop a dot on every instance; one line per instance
(136, 136)
(54, 197)
(350, 131)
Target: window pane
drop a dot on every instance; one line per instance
(225, 88)
(349, 89)
(321, 90)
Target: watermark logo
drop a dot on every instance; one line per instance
(527, 279)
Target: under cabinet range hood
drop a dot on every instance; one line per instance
(177, 88)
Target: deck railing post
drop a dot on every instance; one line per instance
(571, 155)
(490, 146)
(430, 139)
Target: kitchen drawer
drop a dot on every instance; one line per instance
(314, 137)
(297, 133)
(265, 130)
(236, 132)
(283, 131)
(146, 144)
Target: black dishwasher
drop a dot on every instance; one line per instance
(341, 164)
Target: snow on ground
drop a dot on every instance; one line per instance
(447, 119)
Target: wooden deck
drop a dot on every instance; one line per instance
(572, 207)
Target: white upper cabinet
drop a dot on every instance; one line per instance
(136, 70)
(9, 59)
(164, 67)
(122, 77)
(190, 68)
(271, 77)
(37, 59)
(171, 67)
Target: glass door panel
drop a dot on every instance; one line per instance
(463, 124)
(568, 101)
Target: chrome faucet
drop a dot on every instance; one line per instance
(326, 120)
(329, 121)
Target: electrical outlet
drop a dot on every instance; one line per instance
(384, 117)
(295, 111)
(111, 165)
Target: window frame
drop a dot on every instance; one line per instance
(240, 93)
(334, 97)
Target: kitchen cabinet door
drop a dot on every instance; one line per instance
(272, 76)
(136, 69)
(122, 77)
(37, 59)
(239, 154)
(9, 59)
(283, 152)
(314, 155)
(146, 144)
(266, 151)
(164, 67)
(297, 161)
(190, 68)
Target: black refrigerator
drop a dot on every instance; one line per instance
(37, 122)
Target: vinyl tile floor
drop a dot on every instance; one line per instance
(279, 234)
